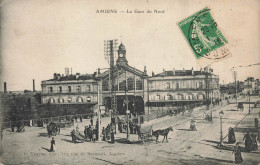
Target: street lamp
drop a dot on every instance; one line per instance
(127, 117)
(221, 134)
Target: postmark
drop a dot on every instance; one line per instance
(204, 36)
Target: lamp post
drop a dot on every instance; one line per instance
(127, 117)
(221, 133)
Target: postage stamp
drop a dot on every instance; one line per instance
(204, 36)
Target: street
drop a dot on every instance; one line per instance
(183, 147)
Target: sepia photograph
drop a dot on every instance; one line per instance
(132, 82)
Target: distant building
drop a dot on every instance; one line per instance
(251, 86)
(181, 87)
(71, 91)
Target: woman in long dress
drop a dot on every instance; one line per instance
(237, 152)
(231, 136)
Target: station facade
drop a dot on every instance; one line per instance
(145, 93)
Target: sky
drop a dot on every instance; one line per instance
(40, 38)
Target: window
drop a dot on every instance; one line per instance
(52, 100)
(69, 99)
(69, 88)
(61, 100)
(78, 88)
(157, 97)
(177, 85)
(105, 85)
(50, 89)
(60, 89)
(200, 85)
(139, 85)
(168, 85)
(79, 100)
(88, 88)
(88, 99)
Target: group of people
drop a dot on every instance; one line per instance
(108, 133)
(250, 144)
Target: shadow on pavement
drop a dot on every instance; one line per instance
(46, 149)
(43, 135)
(244, 130)
(184, 129)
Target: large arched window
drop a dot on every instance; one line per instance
(79, 100)
(61, 100)
(52, 100)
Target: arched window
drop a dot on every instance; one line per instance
(88, 99)
(52, 100)
(69, 99)
(79, 100)
(61, 100)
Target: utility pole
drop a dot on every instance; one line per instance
(235, 77)
(127, 111)
(248, 96)
(98, 113)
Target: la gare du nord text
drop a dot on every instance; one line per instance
(113, 11)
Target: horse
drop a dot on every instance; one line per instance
(163, 132)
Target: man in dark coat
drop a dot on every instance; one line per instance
(112, 136)
(86, 131)
(248, 142)
(52, 145)
(104, 134)
(80, 118)
(254, 146)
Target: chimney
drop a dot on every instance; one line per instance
(173, 71)
(33, 85)
(71, 71)
(183, 69)
(152, 73)
(192, 71)
(77, 75)
(145, 71)
(58, 76)
(99, 71)
(5, 88)
(55, 76)
(94, 75)
(67, 71)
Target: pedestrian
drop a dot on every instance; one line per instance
(94, 134)
(91, 121)
(231, 136)
(237, 153)
(76, 119)
(193, 125)
(73, 136)
(52, 145)
(131, 127)
(77, 128)
(254, 146)
(248, 142)
(80, 118)
(120, 127)
(104, 134)
(12, 127)
(72, 121)
(86, 131)
(112, 136)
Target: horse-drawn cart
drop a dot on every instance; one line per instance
(145, 133)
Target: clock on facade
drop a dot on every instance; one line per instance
(120, 55)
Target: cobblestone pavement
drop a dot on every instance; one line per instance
(183, 147)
